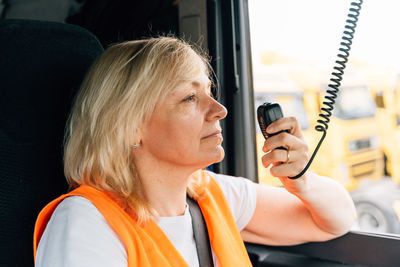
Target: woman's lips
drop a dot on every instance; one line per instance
(214, 135)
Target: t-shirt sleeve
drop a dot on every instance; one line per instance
(77, 234)
(241, 196)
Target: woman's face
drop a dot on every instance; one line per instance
(184, 129)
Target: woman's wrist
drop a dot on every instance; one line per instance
(299, 187)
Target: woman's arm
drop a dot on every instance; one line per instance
(322, 212)
(310, 208)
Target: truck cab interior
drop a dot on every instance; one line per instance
(46, 48)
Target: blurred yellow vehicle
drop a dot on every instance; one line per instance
(351, 149)
(385, 88)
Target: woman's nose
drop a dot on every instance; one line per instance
(217, 111)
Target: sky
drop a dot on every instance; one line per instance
(312, 29)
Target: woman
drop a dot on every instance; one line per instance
(142, 128)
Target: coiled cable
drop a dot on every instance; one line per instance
(344, 53)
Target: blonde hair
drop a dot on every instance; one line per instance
(118, 95)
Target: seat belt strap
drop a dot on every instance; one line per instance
(200, 234)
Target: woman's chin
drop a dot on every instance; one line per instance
(221, 154)
(207, 158)
(217, 155)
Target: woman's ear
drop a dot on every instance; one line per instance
(136, 140)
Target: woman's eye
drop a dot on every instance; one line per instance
(190, 98)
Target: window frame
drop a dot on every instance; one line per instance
(356, 248)
(229, 46)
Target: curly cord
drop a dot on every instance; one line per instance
(347, 40)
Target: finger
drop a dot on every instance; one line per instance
(294, 158)
(276, 156)
(288, 169)
(286, 123)
(283, 140)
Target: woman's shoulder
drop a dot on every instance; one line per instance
(75, 202)
(78, 232)
(240, 194)
(76, 210)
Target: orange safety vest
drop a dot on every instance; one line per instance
(148, 245)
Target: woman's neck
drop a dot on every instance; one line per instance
(165, 188)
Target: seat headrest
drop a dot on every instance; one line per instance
(41, 67)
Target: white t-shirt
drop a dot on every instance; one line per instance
(77, 234)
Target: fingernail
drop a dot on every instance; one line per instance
(270, 129)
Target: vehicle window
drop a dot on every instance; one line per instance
(292, 104)
(348, 109)
(294, 47)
